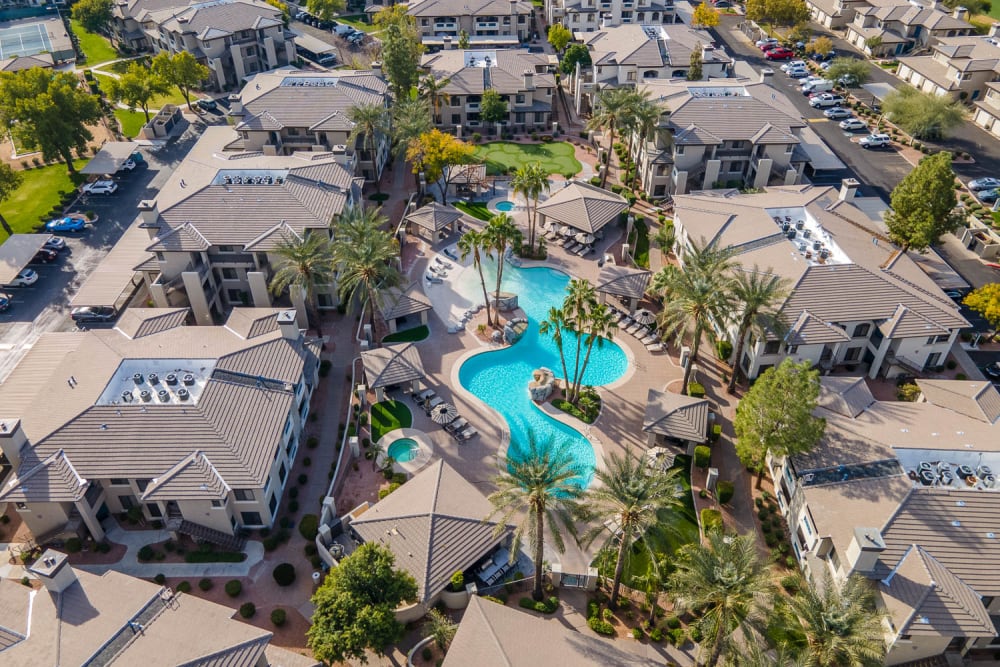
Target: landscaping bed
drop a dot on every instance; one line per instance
(475, 209)
(41, 191)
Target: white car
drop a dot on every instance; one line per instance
(875, 141)
(100, 188)
(793, 64)
(853, 125)
(129, 165)
(837, 112)
(25, 278)
(763, 42)
(826, 100)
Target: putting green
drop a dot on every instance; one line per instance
(502, 156)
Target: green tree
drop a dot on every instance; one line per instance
(923, 115)
(694, 66)
(984, 300)
(554, 324)
(974, 6)
(923, 205)
(500, 233)
(705, 16)
(441, 628)
(410, 119)
(801, 32)
(325, 10)
(873, 43)
(777, 12)
(371, 124)
(49, 111)
(433, 92)
(434, 152)
(559, 36)
(93, 15)
(821, 44)
(137, 86)
(642, 121)
(10, 181)
(401, 49)
(463, 39)
(354, 606)
(776, 415)
(303, 263)
(493, 107)
(367, 257)
(611, 106)
(537, 489)
(574, 53)
(597, 326)
(181, 70)
(852, 68)
(473, 243)
(531, 180)
(652, 583)
(725, 583)
(757, 296)
(626, 504)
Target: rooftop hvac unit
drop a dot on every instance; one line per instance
(799, 224)
(171, 378)
(138, 378)
(785, 226)
(183, 394)
(983, 471)
(926, 477)
(163, 395)
(807, 233)
(791, 233)
(964, 472)
(816, 245)
(989, 481)
(188, 379)
(153, 378)
(145, 395)
(947, 478)
(127, 396)
(824, 253)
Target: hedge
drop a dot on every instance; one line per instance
(601, 627)
(309, 526)
(711, 519)
(548, 606)
(702, 456)
(696, 390)
(724, 489)
(724, 349)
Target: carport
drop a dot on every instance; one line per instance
(16, 252)
(878, 91)
(110, 158)
(113, 282)
(823, 166)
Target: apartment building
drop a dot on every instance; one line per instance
(484, 23)
(235, 39)
(198, 427)
(587, 15)
(894, 27)
(959, 67)
(855, 301)
(834, 14)
(905, 494)
(522, 79)
(986, 113)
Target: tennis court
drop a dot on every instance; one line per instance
(24, 40)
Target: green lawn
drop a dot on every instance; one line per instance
(131, 121)
(502, 156)
(475, 209)
(408, 335)
(96, 48)
(356, 21)
(640, 243)
(158, 102)
(39, 193)
(388, 416)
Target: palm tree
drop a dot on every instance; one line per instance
(727, 584)
(841, 625)
(556, 323)
(432, 90)
(646, 118)
(660, 284)
(499, 233)
(580, 299)
(700, 294)
(531, 180)
(612, 105)
(627, 503)
(303, 263)
(366, 256)
(599, 326)
(410, 119)
(652, 583)
(756, 653)
(757, 294)
(441, 628)
(540, 486)
(371, 121)
(473, 243)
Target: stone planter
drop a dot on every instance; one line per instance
(453, 600)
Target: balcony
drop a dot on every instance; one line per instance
(487, 25)
(446, 26)
(233, 258)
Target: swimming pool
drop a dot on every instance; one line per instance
(404, 450)
(499, 378)
(504, 206)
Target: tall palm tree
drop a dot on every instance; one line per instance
(371, 121)
(611, 106)
(756, 653)
(531, 180)
(700, 294)
(410, 118)
(499, 233)
(646, 118)
(303, 263)
(581, 297)
(540, 486)
(660, 283)
(757, 295)
(727, 584)
(555, 323)
(627, 503)
(841, 625)
(473, 243)
(598, 327)
(432, 90)
(366, 257)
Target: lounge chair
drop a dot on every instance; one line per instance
(424, 395)
(443, 263)
(648, 340)
(456, 328)
(431, 278)
(656, 347)
(568, 242)
(451, 253)
(468, 433)
(457, 425)
(432, 403)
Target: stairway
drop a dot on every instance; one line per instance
(201, 533)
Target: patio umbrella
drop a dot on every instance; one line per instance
(566, 230)
(644, 316)
(444, 413)
(584, 238)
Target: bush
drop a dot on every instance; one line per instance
(205, 584)
(458, 581)
(601, 627)
(248, 609)
(427, 654)
(672, 622)
(309, 526)
(702, 456)
(703, 493)
(160, 578)
(791, 583)
(494, 599)
(324, 368)
(184, 587)
(312, 442)
(696, 390)
(284, 574)
(271, 543)
(102, 547)
(763, 513)
(278, 617)
(593, 609)
(716, 432)
(770, 539)
(637, 633)
(656, 635)
(724, 349)
(293, 506)
(677, 637)
(234, 587)
(73, 545)
(908, 392)
(725, 491)
(399, 478)
(303, 478)
(711, 519)
(146, 553)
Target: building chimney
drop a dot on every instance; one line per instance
(377, 67)
(150, 214)
(54, 571)
(848, 189)
(864, 550)
(12, 440)
(960, 13)
(448, 46)
(995, 30)
(235, 105)
(608, 21)
(529, 79)
(289, 327)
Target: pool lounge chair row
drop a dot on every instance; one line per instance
(645, 334)
(461, 430)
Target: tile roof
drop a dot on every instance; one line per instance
(392, 364)
(183, 238)
(846, 396)
(811, 330)
(212, 20)
(631, 44)
(448, 8)
(252, 322)
(400, 303)
(623, 281)
(193, 478)
(434, 216)
(583, 206)
(676, 416)
(139, 322)
(506, 75)
(18, 63)
(977, 399)
(53, 479)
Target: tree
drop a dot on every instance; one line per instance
(652, 583)
(555, 323)
(354, 606)
(757, 295)
(538, 489)
(303, 263)
(574, 53)
(821, 45)
(500, 233)
(371, 122)
(596, 327)
(325, 10)
(410, 119)
(777, 12)
(10, 181)
(974, 6)
(531, 180)
(801, 32)
(366, 256)
(463, 39)
(984, 300)
(433, 152)
(433, 92)
(474, 243)
(851, 68)
(776, 415)
(923, 205)
(923, 115)
(873, 42)
(493, 108)
(841, 625)
(559, 36)
(694, 67)
(441, 628)
(181, 70)
(626, 504)
(49, 111)
(611, 106)
(401, 49)
(93, 15)
(645, 117)
(724, 581)
(705, 16)
(137, 86)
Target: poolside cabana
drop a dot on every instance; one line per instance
(399, 304)
(435, 218)
(626, 283)
(392, 365)
(582, 206)
(675, 417)
(467, 180)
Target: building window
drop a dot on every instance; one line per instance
(539, 117)
(630, 76)
(456, 101)
(119, 481)
(230, 274)
(154, 510)
(862, 330)
(243, 495)
(227, 248)
(938, 339)
(142, 484)
(772, 347)
(293, 131)
(792, 349)
(216, 504)
(127, 502)
(160, 257)
(678, 150)
(519, 99)
(251, 518)
(853, 354)
(521, 19)
(234, 295)
(21, 506)
(456, 119)
(519, 117)
(273, 504)
(282, 473)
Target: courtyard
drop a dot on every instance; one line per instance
(556, 157)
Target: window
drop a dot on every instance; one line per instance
(425, 22)
(154, 510)
(862, 330)
(456, 101)
(937, 339)
(456, 119)
(539, 117)
(521, 19)
(234, 295)
(772, 347)
(678, 150)
(119, 481)
(789, 148)
(160, 257)
(273, 503)
(251, 518)
(230, 274)
(519, 117)
(853, 354)
(519, 99)
(21, 506)
(217, 504)
(631, 76)
(282, 473)
(792, 349)
(127, 502)
(227, 248)
(142, 484)
(243, 495)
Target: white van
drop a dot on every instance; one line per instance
(822, 86)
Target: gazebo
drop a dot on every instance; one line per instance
(435, 218)
(392, 365)
(467, 180)
(582, 206)
(623, 282)
(675, 417)
(399, 304)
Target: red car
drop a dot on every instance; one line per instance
(780, 53)
(767, 47)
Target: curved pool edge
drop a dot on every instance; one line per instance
(585, 431)
(425, 453)
(459, 388)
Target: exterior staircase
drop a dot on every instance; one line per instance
(197, 532)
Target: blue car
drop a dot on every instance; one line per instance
(71, 223)
(988, 196)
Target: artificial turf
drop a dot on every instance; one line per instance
(39, 192)
(505, 156)
(408, 335)
(388, 416)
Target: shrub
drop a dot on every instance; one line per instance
(271, 543)
(961, 376)
(593, 609)
(711, 519)
(637, 633)
(494, 599)
(279, 616)
(205, 584)
(312, 442)
(102, 547)
(234, 587)
(790, 562)
(248, 609)
(677, 637)
(458, 581)
(146, 553)
(303, 478)
(656, 635)
(293, 506)
(791, 584)
(696, 390)
(724, 349)
(725, 491)
(284, 574)
(399, 478)
(73, 545)
(702, 456)
(908, 392)
(607, 614)
(716, 432)
(770, 539)
(160, 578)
(601, 627)
(672, 621)
(763, 513)
(427, 654)
(309, 526)
(184, 587)
(703, 493)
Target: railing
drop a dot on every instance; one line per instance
(232, 258)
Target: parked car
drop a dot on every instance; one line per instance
(767, 71)
(55, 243)
(343, 30)
(837, 112)
(70, 223)
(4, 301)
(815, 86)
(793, 64)
(780, 53)
(824, 100)
(44, 256)
(825, 65)
(988, 196)
(128, 165)
(986, 183)
(25, 278)
(761, 42)
(93, 314)
(954, 294)
(992, 371)
(207, 104)
(104, 187)
(770, 45)
(820, 57)
(848, 81)
(876, 141)
(853, 125)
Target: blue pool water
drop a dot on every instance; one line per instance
(500, 378)
(403, 450)
(505, 206)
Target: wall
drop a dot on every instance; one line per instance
(916, 648)
(202, 513)
(44, 517)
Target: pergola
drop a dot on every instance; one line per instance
(435, 218)
(623, 282)
(392, 365)
(110, 158)
(398, 304)
(582, 206)
(675, 416)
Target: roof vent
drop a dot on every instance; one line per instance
(127, 396)
(145, 395)
(991, 535)
(163, 395)
(153, 378)
(188, 379)
(961, 503)
(183, 394)
(137, 378)
(171, 379)
(956, 523)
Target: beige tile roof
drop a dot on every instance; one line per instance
(623, 281)
(53, 479)
(400, 303)
(280, 657)
(139, 322)
(811, 330)
(193, 478)
(676, 416)
(15, 603)
(252, 322)
(906, 323)
(583, 206)
(114, 276)
(223, 17)
(629, 44)
(434, 524)
(506, 76)
(492, 635)
(278, 359)
(434, 216)
(392, 364)
(977, 399)
(484, 8)
(847, 396)
(185, 237)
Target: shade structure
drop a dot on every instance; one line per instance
(583, 206)
(444, 413)
(584, 238)
(643, 316)
(566, 230)
(659, 458)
